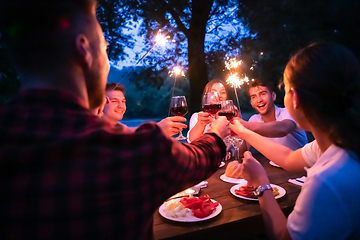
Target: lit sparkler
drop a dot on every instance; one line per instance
(159, 39)
(234, 80)
(176, 71)
(232, 64)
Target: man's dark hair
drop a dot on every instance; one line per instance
(260, 82)
(40, 34)
(115, 87)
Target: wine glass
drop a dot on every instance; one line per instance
(231, 141)
(227, 109)
(211, 103)
(178, 107)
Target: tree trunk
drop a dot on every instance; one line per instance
(198, 74)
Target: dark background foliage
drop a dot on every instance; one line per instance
(277, 28)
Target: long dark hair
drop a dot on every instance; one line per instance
(326, 77)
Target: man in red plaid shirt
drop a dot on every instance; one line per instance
(65, 173)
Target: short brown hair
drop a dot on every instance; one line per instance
(260, 82)
(115, 87)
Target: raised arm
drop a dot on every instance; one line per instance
(198, 124)
(271, 129)
(279, 154)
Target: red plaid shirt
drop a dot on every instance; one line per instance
(65, 174)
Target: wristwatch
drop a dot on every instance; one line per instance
(260, 189)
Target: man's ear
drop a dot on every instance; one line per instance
(273, 96)
(84, 50)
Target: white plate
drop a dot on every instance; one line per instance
(282, 192)
(232, 180)
(190, 218)
(222, 164)
(274, 164)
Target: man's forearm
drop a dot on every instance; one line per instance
(272, 129)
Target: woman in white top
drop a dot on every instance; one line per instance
(322, 94)
(199, 122)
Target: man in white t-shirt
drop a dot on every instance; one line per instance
(271, 121)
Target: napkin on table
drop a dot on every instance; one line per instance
(298, 181)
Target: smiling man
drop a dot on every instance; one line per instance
(115, 105)
(272, 121)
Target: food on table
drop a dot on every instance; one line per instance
(199, 207)
(176, 209)
(248, 191)
(233, 169)
(245, 191)
(275, 191)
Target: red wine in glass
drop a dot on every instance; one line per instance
(228, 115)
(211, 108)
(179, 110)
(179, 107)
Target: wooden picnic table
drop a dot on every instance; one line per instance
(239, 218)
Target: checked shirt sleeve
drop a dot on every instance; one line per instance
(181, 165)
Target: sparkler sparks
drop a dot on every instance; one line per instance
(160, 39)
(176, 71)
(232, 64)
(234, 80)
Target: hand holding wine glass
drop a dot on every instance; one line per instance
(178, 107)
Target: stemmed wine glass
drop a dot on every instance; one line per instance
(211, 103)
(178, 107)
(227, 109)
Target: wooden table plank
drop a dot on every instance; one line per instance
(239, 219)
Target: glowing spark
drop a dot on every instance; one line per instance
(235, 81)
(160, 39)
(177, 71)
(232, 63)
(261, 53)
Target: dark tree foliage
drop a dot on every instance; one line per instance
(113, 16)
(184, 20)
(279, 28)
